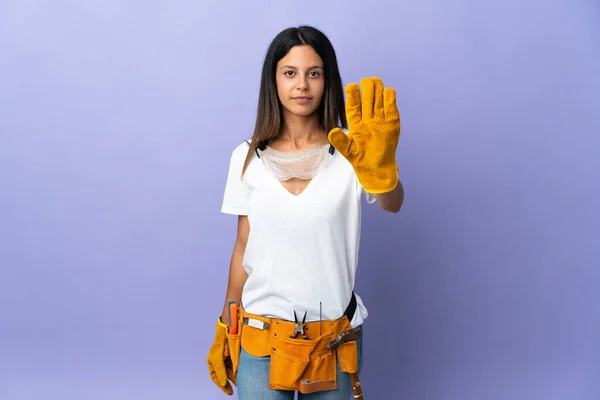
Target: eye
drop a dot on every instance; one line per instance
(315, 74)
(288, 73)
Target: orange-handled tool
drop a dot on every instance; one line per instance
(233, 317)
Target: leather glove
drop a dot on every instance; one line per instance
(220, 366)
(374, 132)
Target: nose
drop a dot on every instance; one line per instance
(302, 83)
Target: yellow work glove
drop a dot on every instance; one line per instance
(373, 135)
(220, 367)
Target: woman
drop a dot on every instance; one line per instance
(296, 188)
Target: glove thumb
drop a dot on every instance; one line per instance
(342, 142)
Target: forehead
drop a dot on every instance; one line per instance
(300, 56)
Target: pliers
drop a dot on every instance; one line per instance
(299, 327)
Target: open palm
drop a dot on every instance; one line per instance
(374, 132)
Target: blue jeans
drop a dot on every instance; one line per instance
(253, 381)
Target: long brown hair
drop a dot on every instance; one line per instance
(269, 116)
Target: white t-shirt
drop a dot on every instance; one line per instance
(302, 250)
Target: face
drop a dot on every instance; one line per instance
(300, 80)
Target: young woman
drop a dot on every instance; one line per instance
(296, 187)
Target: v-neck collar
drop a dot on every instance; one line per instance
(287, 192)
(304, 192)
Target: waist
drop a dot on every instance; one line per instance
(276, 307)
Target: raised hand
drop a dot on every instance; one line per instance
(374, 132)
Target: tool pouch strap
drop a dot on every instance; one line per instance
(306, 365)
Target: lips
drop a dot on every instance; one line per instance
(302, 99)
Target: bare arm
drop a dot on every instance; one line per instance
(391, 201)
(237, 274)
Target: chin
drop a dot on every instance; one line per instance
(301, 111)
(305, 113)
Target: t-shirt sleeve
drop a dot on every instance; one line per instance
(369, 197)
(237, 190)
(363, 193)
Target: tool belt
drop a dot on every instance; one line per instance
(306, 362)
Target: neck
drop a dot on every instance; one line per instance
(300, 131)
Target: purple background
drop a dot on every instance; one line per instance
(117, 120)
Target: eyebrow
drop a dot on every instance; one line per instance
(292, 67)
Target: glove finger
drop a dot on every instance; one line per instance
(342, 142)
(368, 97)
(226, 352)
(225, 388)
(222, 376)
(378, 104)
(228, 389)
(218, 374)
(391, 108)
(353, 113)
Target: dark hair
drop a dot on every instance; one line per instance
(269, 118)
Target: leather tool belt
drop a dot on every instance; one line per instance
(306, 363)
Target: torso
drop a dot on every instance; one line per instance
(302, 250)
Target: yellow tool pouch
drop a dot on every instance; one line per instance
(304, 365)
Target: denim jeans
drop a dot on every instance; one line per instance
(253, 381)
